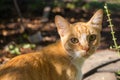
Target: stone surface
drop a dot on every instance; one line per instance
(102, 65)
(102, 76)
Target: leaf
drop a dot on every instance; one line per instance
(33, 45)
(17, 51)
(11, 47)
(12, 52)
(111, 47)
(26, 46)
(118, 72)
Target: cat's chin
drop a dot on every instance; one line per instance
(80, 54)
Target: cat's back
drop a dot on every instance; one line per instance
(51, 61)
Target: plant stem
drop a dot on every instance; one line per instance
(111, 26)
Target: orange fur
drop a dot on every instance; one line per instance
(59, 61)
(39, 66)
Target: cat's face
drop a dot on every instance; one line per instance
(82, 38)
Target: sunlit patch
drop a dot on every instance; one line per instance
(58, 68)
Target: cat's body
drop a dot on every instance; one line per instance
(62, 60)
(43, 66)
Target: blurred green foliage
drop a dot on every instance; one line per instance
(16, 49)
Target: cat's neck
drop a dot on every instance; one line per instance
(77, 62)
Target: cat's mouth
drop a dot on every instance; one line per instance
(82, 53)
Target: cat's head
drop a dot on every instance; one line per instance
(82, 38)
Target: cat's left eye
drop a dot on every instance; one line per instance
(74, 40)
(92, 37)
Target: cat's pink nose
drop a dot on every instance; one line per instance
(86, 48)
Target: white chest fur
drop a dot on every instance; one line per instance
(79, 75)
(78, 64)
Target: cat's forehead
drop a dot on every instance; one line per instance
(81, 28)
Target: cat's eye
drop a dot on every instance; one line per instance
(74, 40)
(92, 37)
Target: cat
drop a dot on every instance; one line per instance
(62, 60)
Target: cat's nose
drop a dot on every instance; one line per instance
(86, 48)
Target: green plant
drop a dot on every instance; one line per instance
(13, 49)
(115, 46)
(16, 49)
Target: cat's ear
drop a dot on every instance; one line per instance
(96, 20)
(62, 25)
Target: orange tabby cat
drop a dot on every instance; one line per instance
(61, 60)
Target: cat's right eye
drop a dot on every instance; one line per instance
(92, 37)
(74, 40)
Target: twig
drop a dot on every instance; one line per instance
(20, 15)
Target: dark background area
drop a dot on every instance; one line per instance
(28, 25)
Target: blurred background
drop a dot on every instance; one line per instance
(28, 25)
